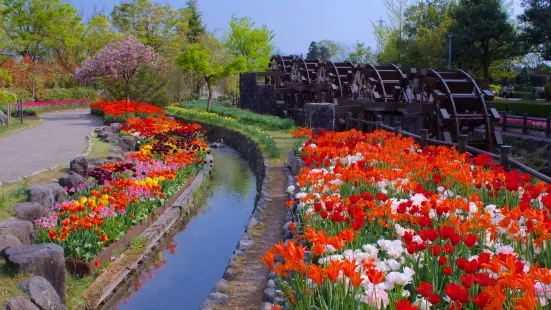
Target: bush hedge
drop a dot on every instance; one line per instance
(531, 107)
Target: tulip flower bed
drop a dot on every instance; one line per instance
(393, 226)
(119, 111)
(120, 196)
(518, 122)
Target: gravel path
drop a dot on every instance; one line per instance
(59, 138)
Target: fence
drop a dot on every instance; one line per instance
(526, 122)
(504, 157)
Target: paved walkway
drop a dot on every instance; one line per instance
(59, 138)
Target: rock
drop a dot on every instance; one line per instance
(115, 149)
(20, 303)
(245, 236)
(279, 300)
(21, 229)
(271, 284)
(128, 143)
(269, 294)
(320, 115)
(218, 144)
(221, 286)
(266, 306)
(45, 260)
(228, 274)
(42, 293)
(71, 180)
(232, 263)
(238, 253)
(82, 165)
(272, 275)
(46, 194)
(7, 241)
(279, 293)
(217, 298)
(107, 129)
(109, 136)
(288, 235)
(3, 119)
(252, 223)
(98, 129)
(286, 226)
(245, 244)
(30, 211)
(113, 158)
(307, 256)
(116, 127)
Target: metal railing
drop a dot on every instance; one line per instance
(505, 117)
(504, 157)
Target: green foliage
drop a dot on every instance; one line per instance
(196, 28)
(519, 107)
(97, 34)
(495, 88)
(6, 98)
(250, 42)
(266, 122)
(39, 27)
(149, 85)
(361, 53)
(483, 35)
(536, 27)
(547, 91)
(160, 26)
(313, 51)
(72, 93)
(211, 118)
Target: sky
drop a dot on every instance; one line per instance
(295, 23)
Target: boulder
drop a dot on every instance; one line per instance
(3, 119)
(45, 260)
(21, 229)
(42, 293)
(20, 303)
(109, 137)
(82, 165)
(221, 286)
(7, 241)
(128, 143)
(46, 194)
(71, 180)
(113, 158)
(115, 149)
(30, 211)
(218, 144)
(116, 127)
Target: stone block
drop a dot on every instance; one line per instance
(113, 158)
(46, 194)
(30, 211)
(21, 229)
(45, 260)
(20, 303)
(247, 90)
(320, 115)
(42, 293)
(128, 143)
(7, 241)
(71, 180)
(266, 99)
(83, 165)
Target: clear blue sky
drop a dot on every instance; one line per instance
(295, 22)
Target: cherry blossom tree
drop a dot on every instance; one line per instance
(119, 61)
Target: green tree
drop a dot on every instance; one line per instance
(209, 59)
(313, 51)
(160, 26)
(98, 33)
(39, 28)
(252, 43)
(483, 35)
(196, 28)
(361, 53)
(536, 27)
(327, 49)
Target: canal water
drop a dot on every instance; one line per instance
(181, 273)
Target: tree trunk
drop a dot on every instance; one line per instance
(486, 74)
(127, 90)
(32, 89)
(9, 114)
(210, 96)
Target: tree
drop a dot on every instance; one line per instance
(97, 34)
(252, 43)
(160, 26)
(209, 59)
(483, 35)
(119, 61)
(196, 28)
(536, 27)
(30, 75)
(40, 27)
(313, 51)
(327, 49)
(361, 53)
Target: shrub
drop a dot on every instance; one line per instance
(532, 108)
(72, 93)
(495, 88)
(547, 91)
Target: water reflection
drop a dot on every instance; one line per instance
(193, 259)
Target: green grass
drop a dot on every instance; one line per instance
(9, 282)
(258, 133)
(266, 122)
(531, 107)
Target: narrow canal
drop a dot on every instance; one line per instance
(181, 273)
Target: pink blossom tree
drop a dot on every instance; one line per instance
(119, 60)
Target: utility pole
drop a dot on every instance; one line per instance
(380, 22)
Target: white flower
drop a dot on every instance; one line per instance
(375, 297)
(393, 264)
(290, 189)
(472, 207)
(506, 249)
(422, 304)
(371, 250)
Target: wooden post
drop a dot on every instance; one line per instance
(525, 123)
(548, 126)
(397, 126)
(424, 137)
(504, 127)
(462, 143)
(359, 122)
(378, 122)
(505, 154)
(347, 118)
